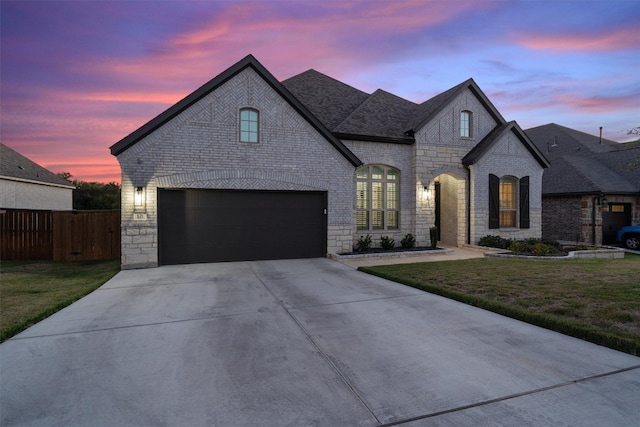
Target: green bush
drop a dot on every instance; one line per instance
(363, 244)
(433, 235)
(541, 249)
(408, 241)
(387, 243)
(495, 242)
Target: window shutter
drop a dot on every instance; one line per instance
(524, 202)
(494, 201)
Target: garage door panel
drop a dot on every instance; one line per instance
(213, 226)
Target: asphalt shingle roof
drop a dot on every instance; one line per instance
(381, 114)
(330, 100)
(555, 141)
(15, 165)
(581, 164)
(346, 110)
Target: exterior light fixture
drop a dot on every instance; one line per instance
(427, 192)
(138, 197)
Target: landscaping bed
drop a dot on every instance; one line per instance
(545, 249)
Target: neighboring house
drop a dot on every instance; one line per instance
(27, 185)
(247, 167)
(592, 187)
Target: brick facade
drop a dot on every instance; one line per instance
(579, 218)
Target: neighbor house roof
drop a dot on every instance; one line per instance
(584, 175)
(495, 135)
(16, 167)
(626, 162)
(555, 141)
(189, 100)
(585, 164)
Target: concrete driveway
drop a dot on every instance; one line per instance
(298, 343)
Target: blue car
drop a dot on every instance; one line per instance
(630, 236)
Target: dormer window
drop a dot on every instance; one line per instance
(465, 124)
(249, 125)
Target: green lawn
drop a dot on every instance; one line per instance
(597, 300)
(33, 290)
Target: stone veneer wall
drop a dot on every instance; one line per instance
(438, 153)
(199, 148)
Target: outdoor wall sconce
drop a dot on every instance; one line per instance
(602, 201)
(427, 192)
(138, 198)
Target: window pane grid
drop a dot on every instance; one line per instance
(465, 124)
(248, 126)
(377, 198)
(508, 202)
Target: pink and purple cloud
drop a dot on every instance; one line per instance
(76, 77)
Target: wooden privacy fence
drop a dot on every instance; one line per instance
(59, 235)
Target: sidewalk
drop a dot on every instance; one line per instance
(451, 253)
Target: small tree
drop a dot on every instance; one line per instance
(94, 195)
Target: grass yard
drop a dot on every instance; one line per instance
(33, 290)
(593, 299)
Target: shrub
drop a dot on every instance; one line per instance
(387, 243)
(408, 241)
(363, 244)
(541, 249)
(495, 242)
(433, 235)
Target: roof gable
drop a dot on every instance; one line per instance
(495, 135)
(189, 100)
(14, 165)
(432, 107)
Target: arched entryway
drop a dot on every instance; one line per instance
(451, 209)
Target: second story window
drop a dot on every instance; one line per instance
(249, 125)
(465, 124)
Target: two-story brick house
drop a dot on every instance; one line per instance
(247, 167)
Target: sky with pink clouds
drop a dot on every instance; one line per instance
(77, 76)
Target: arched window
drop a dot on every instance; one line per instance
(377, 197)
(249, 125)
(465, 124)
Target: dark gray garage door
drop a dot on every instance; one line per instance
(213, 226)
